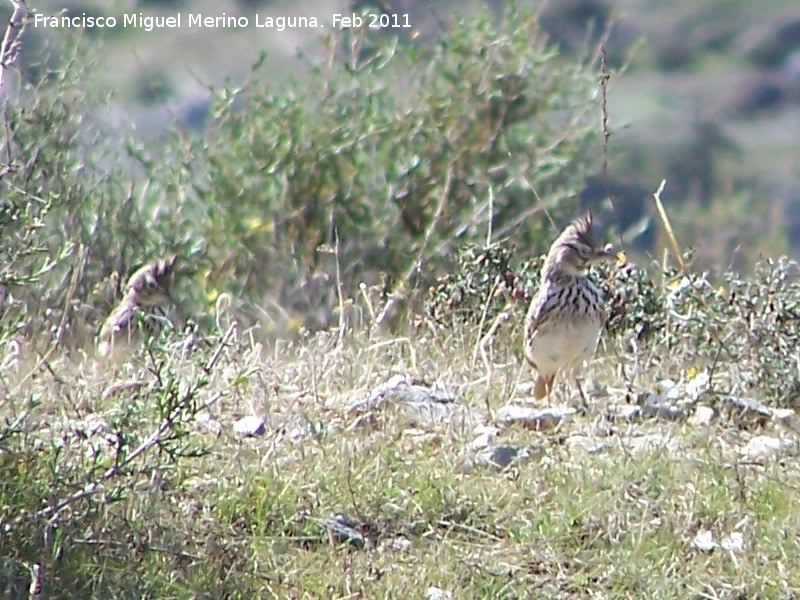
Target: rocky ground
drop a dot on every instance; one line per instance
(375, 464)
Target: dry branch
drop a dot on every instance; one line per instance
(12, 40)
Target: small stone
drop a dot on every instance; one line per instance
(435, 593)
(624, 413)
(786, 417)
(704, 541)
(489, 429)
(250, 426)
(733, 542)
(501, 457)
(432, 415)
(396, 388)
(421, 405)
(524, 389)
(208, 421)
(413, 438)
(297, 433)
(745, 412)
(341, 531)
(401, 544)
(588, 443)
(533, 418)
(703, 416)
(654, 442)
(599, 448)
(394, 382)
(486, 437)
(764, 446)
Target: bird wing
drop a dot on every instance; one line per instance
(539, 312)
(122, 318)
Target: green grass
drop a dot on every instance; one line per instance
(247, 517)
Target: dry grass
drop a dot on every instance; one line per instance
(601, 509)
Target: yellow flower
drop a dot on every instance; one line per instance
(295, 325)
(212, 296)
(256, 225)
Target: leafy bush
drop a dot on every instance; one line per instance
(388, 164)
(745, 328)
(68, 213)
(481, 286)
(375, 168)
(85, 485)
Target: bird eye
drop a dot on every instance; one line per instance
(151, 284)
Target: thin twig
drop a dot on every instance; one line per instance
(667, 225)
(389, 311)
(148, 547)
(12, 40)
(222, 344)
(72, 290)
(605, 81)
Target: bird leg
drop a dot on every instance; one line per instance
(544, 387)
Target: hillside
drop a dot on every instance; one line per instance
(316, 271)
(709, 99)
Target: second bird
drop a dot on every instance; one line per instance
(147, 289)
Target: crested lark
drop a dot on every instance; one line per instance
(566, 314)
(146, 290)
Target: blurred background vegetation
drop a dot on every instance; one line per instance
(287, 168)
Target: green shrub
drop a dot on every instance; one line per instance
(745, 329)
(373, 168)
(390, 160)
(68, 211)
(85, 486)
